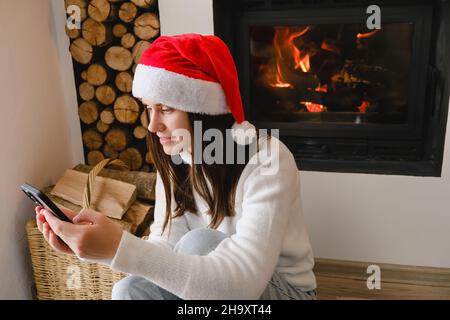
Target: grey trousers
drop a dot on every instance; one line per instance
(201, 242)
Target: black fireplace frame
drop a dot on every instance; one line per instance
(417, 152)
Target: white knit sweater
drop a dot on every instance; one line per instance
(267, 233)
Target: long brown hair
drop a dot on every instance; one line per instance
(179, 179)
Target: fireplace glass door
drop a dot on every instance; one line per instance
(340, 73)
(317, 70)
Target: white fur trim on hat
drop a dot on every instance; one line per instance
(243, 133)
(179, 91)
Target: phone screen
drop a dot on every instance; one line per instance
(42, 200)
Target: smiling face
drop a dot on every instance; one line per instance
(168, 123)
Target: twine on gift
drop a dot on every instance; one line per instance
(116, 163)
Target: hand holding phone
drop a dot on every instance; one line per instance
(100, 236)
(43, 201)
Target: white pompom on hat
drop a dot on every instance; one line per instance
(194, 73)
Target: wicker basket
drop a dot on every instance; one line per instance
(63, 276)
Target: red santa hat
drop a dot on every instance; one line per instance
(194, 73)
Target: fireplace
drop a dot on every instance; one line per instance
(344, 97)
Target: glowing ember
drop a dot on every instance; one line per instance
(313, 107)
(323, 88)
(329, 46)
(366, 35)
(363, 106)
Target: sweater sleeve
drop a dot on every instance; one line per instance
(241, 265)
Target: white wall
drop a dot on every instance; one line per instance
(178, 17)
(362, 217)
(40, 131)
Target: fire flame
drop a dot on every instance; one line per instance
(301, 60)
(284, 39)
(283, 42)
(280, 83)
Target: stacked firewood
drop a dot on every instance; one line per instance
(105, 52)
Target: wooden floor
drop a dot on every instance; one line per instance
(344, 280)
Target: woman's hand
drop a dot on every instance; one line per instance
(92, 235)
(48, 233)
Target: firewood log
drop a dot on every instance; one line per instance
(126, 109)
(127, 12)
(107, 116)
(128, 40)
(140, 132)
(96, 33)
(92, 139)
(124, 81)
(138, 49)
(73, 33)
(144, 182)
(94, 157)
(81, 51)
(109, 152)
(102, 10)
(146, 26)
(86, 91)
(105, 94)
(117, 138)
(101, 126)
(119, 30)
(118, 58)
(88, 112)
(97, 74)
(132, 157)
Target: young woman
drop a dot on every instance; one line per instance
(228, 221)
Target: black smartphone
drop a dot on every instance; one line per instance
(42, 200)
